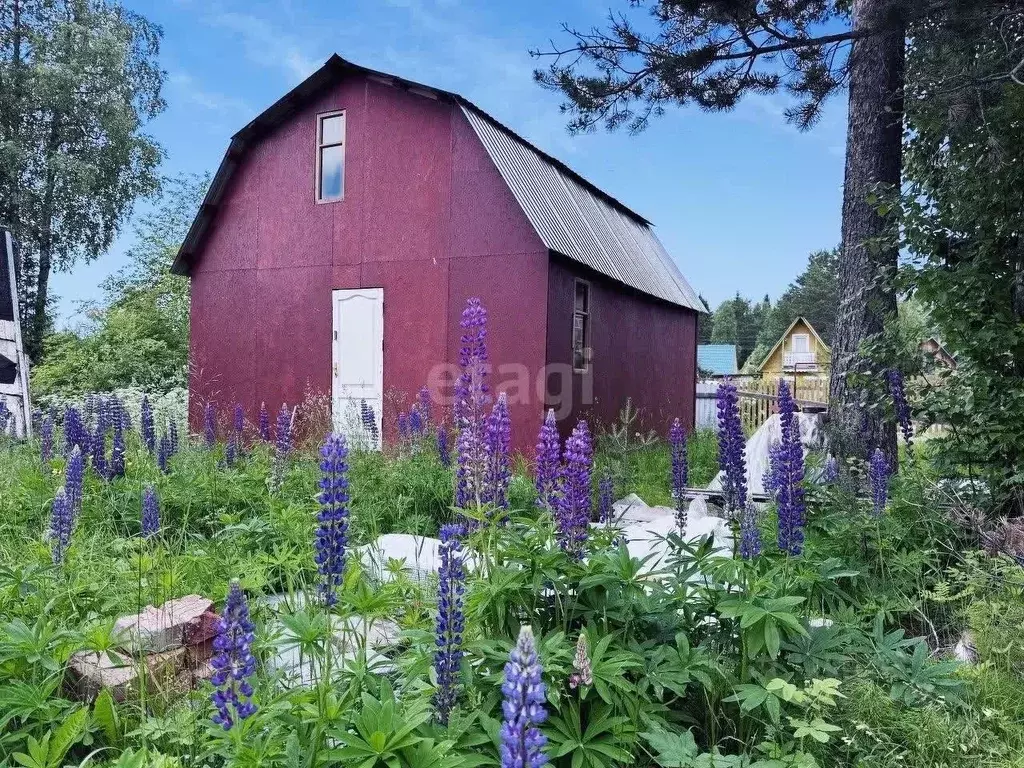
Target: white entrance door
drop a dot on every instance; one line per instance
(358, 357)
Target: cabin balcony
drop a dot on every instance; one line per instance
(800, 361)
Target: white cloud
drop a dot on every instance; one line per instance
(188, 89)
(265, 44)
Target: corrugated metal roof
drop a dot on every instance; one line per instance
(575, 221)
(717, 359)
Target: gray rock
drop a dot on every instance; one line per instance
(161, 629)
(92, 672)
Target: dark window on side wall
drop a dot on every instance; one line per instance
(581, 327)
(330, 157)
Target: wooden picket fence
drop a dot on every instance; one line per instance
(758, 399)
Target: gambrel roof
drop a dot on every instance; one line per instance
(570, 215)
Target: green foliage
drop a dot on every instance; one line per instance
(138, 336)
(697, 660)
(962, 214)
(80, 80)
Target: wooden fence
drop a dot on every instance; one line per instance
(758, 399)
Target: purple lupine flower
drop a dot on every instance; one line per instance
(879, 472)
(172, 437)
(416, 426)
(403, 426)
(605, 497)
(677, 453)
(772, 479)
(444, 452)
(75, 433)
(498, 448)
(732, 457)
(831, 472)
(422, 406)
(332, 521)
(210, 424)
(99, 453)
(150, 513)
(282, 445)
(164, 451)
(116, 467)
(471, 399)
(789, 496)
(572, 517)
(522, 743)
(46, 439)
(147, 425)
(234, 447)
(582, 670)
(122, 414)
(62, 524)
(74, 476)
(901, 406)
(451, 620)
(750, 533)
(548, 457)
(233, 664)
(264, 423)
(369, 419)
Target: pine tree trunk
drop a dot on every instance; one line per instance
(873, 156)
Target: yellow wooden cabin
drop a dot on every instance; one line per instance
(801, 352)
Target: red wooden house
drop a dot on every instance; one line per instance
(347, 225)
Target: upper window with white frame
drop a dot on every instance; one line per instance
(330, 157)
(581, 327)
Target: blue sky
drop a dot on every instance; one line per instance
(739, 199)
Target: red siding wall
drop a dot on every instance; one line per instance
(641, 348)
(426, 217)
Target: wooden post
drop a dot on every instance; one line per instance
(12, 328)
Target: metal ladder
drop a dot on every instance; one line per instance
(12, 351)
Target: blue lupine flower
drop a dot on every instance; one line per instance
(677, 453)
(264, 423)
(210, 424)
(444, 452)
(233, 664)
(116, 467)
(416, 426)
(150, 513)
(99, 453)
(75, 433)
(522, 743)
(164, 452)
(369, 419)
(172, 437)
(46, 439)
(831, 472)
(332, 521)
(451, 620)
(497, 471)
(74, 476)
(572, 515)
(147, 425)
(879, 472)
(901, 406)
(773, 476)
(548, 457)
(605, 497)
(750, 533)
(789, 496)
(403, 426)
(62, 524)
(732, 457)
(234, 446)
